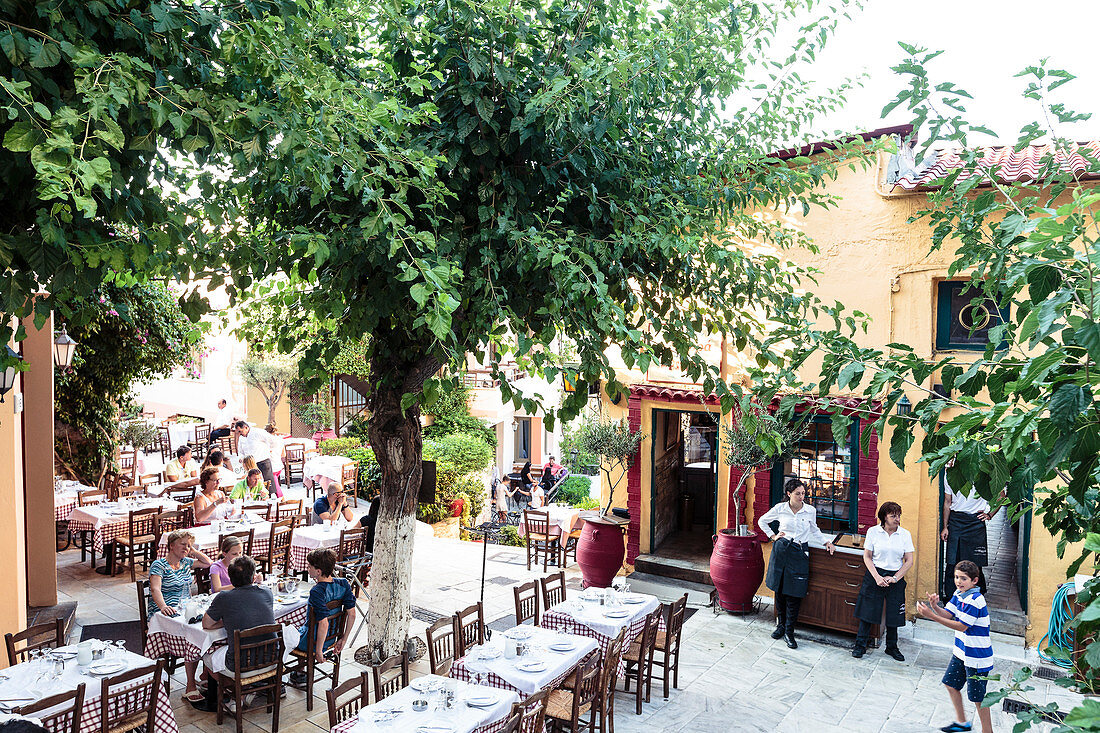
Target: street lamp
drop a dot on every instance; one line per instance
(904, 405)
(63, 349)
(7, 377)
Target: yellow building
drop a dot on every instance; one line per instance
(871, 259)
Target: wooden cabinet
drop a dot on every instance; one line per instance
(834, 586)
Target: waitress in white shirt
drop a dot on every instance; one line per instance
(888, 555)
(964, 519)
(789, 566)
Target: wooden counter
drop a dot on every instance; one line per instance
(834, 586)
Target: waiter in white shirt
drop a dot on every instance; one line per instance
(255, 446)
(964, 519)
(789, 566)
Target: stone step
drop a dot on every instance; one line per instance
(669, 589)
(46, 615)
(689, 570)
(1010, 623)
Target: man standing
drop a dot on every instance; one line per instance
(964, 525)
(221, 423)
(255, 446)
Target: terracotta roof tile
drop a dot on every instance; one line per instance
(1009, 165)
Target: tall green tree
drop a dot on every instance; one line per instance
(595, 183)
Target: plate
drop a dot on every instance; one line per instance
(285, 600)
(563, 646)
(488, 652)
(106, 667)
(616, 614)
(633, 599)
(534, 665)
(420, 684)
(481, 700)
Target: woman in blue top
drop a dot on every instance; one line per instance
(170, 585)
(320, 566)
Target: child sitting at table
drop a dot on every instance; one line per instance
(231, 548)
(320, 564)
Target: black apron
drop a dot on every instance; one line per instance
(966, 540)
(872, 597)
(789, 568)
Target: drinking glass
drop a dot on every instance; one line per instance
(291, 585)
(120, 648)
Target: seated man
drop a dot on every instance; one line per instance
(332, 505)
(251, 487)
(182, 470)
(222, 422)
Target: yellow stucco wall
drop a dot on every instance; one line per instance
(257, 410)
(13, 571)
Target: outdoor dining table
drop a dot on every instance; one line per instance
(206, 536)
(563, 520)
(173, 635)
(181, 433)
(396, 713)
(24, 683)
(312, 537)
(586, 616)
(559, 653)
(110, 520)
(323, 467)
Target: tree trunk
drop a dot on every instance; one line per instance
(397, 444)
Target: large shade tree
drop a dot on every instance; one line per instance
(591, 184)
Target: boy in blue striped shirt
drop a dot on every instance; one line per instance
(972, 660)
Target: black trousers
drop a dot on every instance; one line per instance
(218, 433)
(863, 636)
(265, 469)
(786, 609)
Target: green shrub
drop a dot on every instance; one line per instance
(473, 488)
(443, 426)
(370, 473)
(432, 513)
(587, 503)
(339, 446)
(467, 451)
(358, 427)
(574, 489)
(509, 535)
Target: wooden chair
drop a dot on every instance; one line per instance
(182, 494)
(301, 520)
(339, 711)
(202, 438)
(145, 599)
(132, 491)
(126, 704)
(91, 497)
(257, 669)
(163, 444)
(531, 711)
(57, 713)
(202, 579)
(513, 722)
(553, 590)
(469, 628)
(565, 707)
(246, 536)
(441, 646)
(259, 507)
(166, 522)
(306, 661)
(39, 636)
(538, 538)
(667, 644)
(224, 444)
(286, 509)
(353, 543)
(141, 537)
(527, 602)
(294, 458)
(385, 686)
(278, 548)
(83, 537)
(609, 675)
(639, 660)
(127, 465)
(188, 507)
(349, 479)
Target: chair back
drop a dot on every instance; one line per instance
(513, 721)
(143, 523)
(202, 579)
(163, 444)
(287, 509)
(260, 507)
(188, 508)
(349, 477)
(386, 684)
(57, 713)
(527, 602)
(278, 548)
(536, 523)
(126, 699)
(182, 494)
(91, 497)
(352, 545)
(356, 696)
(166, 522)
(674, 623)
(132, 490)
(145, 598)
(469, 628)
(586, 686)
(40, 636)
(553, 590)
(336, 623)
(532, 712)
(609, 672)
(127, 464)
(300, 520)
(257, 649)
(441, 646)
(294, 453)
(224, 444)
(246, 536)
(202, 433)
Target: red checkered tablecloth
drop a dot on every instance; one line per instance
(63, 507)
(307, 539)
(106, 528)
(161, 643)
(560, 621)
(351, 722)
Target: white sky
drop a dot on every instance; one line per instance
(985, 44)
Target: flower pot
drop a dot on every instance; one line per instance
(600, 551)
(736, 568)
(322, 435)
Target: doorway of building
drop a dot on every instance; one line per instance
(683, 495)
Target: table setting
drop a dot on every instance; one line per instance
(52, 671)
(524, 659)
(601, 613)
(563, 520)
(206, 535)
(109, 520)
(433, 704)
(183, 636)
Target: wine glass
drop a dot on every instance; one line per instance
(120, 648)
(291, 585)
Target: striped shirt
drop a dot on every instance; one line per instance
(972, 646)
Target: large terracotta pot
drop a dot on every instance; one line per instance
(323, 435)
(736, 568)
(600, 551)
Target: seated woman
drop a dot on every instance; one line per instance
(250, 487)
(231, 549)
(211, 503)
(170, 585)
(320, 565)
(216, 459)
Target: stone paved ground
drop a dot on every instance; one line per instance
(733, 676)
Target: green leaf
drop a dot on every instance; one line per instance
(49, 54)
(22, 137)
(900, 442)
(419, 292)
(1069, 401)
(850, 375)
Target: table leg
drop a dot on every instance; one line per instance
(108, 567)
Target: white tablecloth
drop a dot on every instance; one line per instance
(558, 664)
(563, 519)
(172, 635)
(206, 537)
(330, 467)
(307, 539)
(309, 443)
(23, 680)
(109, 521)
(595, 616)
(181, 434)
(461, 718)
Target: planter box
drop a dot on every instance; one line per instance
(448, 528)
